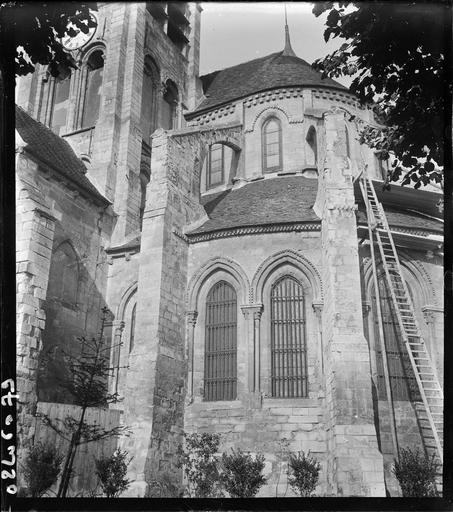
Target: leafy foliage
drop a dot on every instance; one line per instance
(200, 463)
(86, 379)
(396, 52)
(35, 29)
(112, 473)
(41, 468)
(416, 474)
(241, 474)
(303, 473)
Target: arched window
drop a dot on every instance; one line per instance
(220, 359)
(169, 104)
(402, 379)
(311, 147)
(148, 117)
(60, 103)
(93, 85)
(271, 136)
(215, 173)
(64, 275)
(288, 339)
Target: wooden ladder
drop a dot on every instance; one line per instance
(430, 410)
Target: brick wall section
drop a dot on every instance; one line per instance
(354, 466)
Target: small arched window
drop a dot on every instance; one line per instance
(272, 145)
(215, 173)
(288, 339)
(220, 358)
(93, 85)
(148, 116)
(60, 103)
(169, 104)
(64, 275)
(311, 147)
(402, 379)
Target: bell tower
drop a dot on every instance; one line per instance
(136, 72)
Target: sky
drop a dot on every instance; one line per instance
(235, 32)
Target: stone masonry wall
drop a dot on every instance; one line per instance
(355, 466)
(256, 422)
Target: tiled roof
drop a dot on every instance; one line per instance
(270, 72)
(54, 151)
(405, 219)
(268, 201)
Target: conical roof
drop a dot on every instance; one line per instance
(276, 70)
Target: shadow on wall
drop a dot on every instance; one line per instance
(73, 309)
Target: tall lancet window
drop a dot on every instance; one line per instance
(402, 379)
(60, 103)
(311, 147)
(272, 145)
(169, 106)
(288, 339)
(215, 169)
(148, 117)
(93, 85)
(220, 360)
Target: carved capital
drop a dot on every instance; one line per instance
(317, 308)
(252, 309)
(366, 307)
(429, 313)
(192, 317)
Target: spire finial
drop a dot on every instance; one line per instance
(287, 51)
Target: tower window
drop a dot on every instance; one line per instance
(60, 103)
(216, 159)
(220, 360)
(169, 104)
(148, 118)
(288, 340)
(272, 145)
(93, 85)
(311, 147)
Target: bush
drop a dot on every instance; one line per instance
(242, 475)
(201, 464)
(41, 468)
(416, 474)
(112, 473)
(303, 473)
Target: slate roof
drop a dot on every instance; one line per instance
(285, 200)
(269, 201)
(270, 72)
(405, 219)
(54, 151)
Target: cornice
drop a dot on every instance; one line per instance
(253, 230)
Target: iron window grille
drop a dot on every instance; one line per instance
(220, 360)
(288, 340)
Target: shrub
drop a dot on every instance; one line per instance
(41, 468)
(303, 473)
(201, 465)
(416, 474)
(112, 473)
(242, 475)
